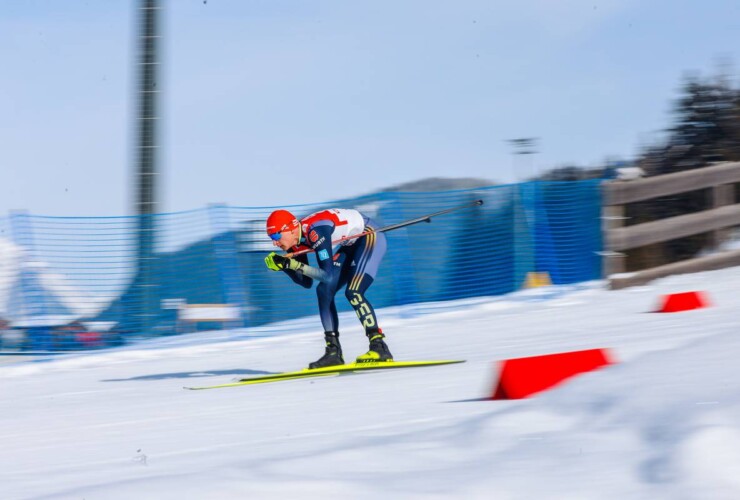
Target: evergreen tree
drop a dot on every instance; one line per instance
(707, 124)
(706, 131)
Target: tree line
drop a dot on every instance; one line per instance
(705, 131)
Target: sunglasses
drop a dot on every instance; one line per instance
(276, 236)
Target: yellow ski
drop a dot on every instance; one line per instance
(331, 370)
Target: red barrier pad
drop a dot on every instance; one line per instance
(522, 377)
(685, 301)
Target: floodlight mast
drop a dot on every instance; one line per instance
(146, 154)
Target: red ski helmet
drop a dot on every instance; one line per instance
(279, 221)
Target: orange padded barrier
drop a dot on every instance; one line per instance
(686, 301)
(522, 377)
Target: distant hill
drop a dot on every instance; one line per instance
(441, 184)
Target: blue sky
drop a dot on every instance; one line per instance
(274, 102)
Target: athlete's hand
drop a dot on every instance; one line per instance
(275, 262)
(294, 265)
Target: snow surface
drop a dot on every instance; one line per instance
(662, 423)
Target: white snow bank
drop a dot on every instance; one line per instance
(663, 423)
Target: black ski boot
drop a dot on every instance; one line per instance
(378, 352)
(333, 354)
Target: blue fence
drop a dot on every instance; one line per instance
(76, 283)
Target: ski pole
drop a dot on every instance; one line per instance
(424, 218)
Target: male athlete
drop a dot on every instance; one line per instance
(354, 264)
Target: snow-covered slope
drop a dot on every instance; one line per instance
(662, 423)
(32, 293)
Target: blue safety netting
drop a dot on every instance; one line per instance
(70, 283)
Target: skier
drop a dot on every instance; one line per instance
(354, 264)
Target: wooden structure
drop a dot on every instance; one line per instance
(724, 214)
